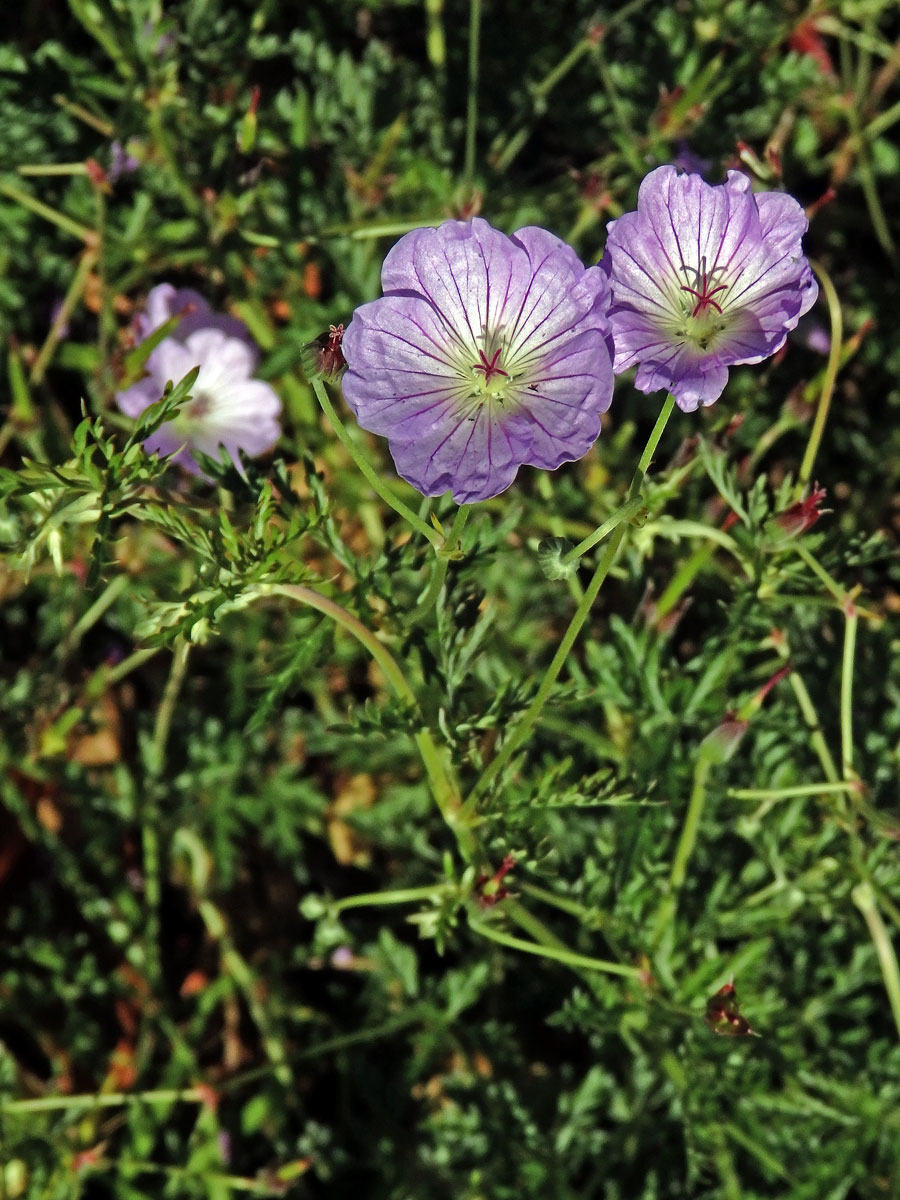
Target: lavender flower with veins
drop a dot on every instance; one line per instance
(486, 352)
(704, 277)
(228, 407)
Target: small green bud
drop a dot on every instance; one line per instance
(719, 745)
(313, 908)
(551, 553)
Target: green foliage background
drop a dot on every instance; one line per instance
(243, 951)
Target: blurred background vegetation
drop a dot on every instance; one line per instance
(190, 784)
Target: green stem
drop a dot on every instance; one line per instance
(684, 850)
(236, 967)
(864, 899)
(106, 128)
(789, 793)
(439, 571)
(156, 757)
(831, 370)
(166, 712)
(533, 712)
(817, 569)
(472, 97)
(105, 600)
(586, 916)
(211, 1182)
(852, 623)
(580, 962)
(69, 168)
(368, 472)
(106, 1100)
(810, 716)
(625, 513)
(88, 236)
(379, 899)
(443, 786)
(127, 665)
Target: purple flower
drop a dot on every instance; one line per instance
(228, 407)
(120, 162)
(687, 160)
(164, 301)
(704, 277)
(485, 353)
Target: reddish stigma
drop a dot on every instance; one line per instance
(704, 295)
(489, 367)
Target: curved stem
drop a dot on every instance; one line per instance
(368, 472)
(831, 370)
(529, 720)
(381, 899)
(440, 777)
(864, 898)
(579, 961)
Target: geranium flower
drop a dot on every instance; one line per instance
(228, 407)
(704, 277)
(485, 353)
(165, 301)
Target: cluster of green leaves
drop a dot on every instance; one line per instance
(246, 952)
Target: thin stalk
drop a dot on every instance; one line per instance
(105, 600)
(472, 96)
(236, 967)
(380, 899)
(88, 236)
(369, 473)
(684, 849)
(106, 1100)
(129, 664)
(790, 793)
(831, 370)
(835, 589)
(852, 623)
(70, 168)
(877, 126)
(625, 513)
(439, 571)
(586, 916)
(533, 712)
(209, 1181)
(810, 716)
(156, 757)
(163, 725)
(106, 128)
(70, 300)
(443, 785)
(580, 962)
(864, 899)
(383, 657)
